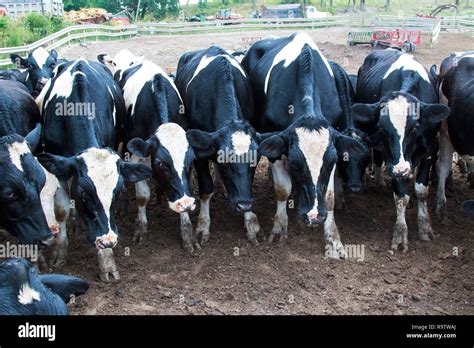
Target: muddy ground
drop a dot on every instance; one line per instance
(160, 278)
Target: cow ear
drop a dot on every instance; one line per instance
(106, 60)
(54, 54)
(18, 61)
(33, 138)
(273, 147)
(364, 114)
(140, 147)
(202, 142)
(468, 207)
(134, 172)
(65, 286)
(349, 148)
(62, 167)
(433, 113)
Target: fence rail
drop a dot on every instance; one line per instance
(429, 26)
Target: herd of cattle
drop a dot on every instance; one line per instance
(95, 125)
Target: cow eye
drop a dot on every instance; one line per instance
(10, 195)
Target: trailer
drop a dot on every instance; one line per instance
(404, 40)
(282, 11)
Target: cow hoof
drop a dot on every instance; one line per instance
(140, 234)
(193, 250)
(253, 240)
(58, 262)
(336, 251)
(427, 235)
(283, 239)
(400, 239)
(105, 277)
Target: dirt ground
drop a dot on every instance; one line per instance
(160, 278)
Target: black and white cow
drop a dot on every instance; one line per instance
(219, 106)
(297, 98)
(82, 109)
(25, 292)
(456, 89)
(19, 114)
(402, 114)
(39, 67)
(154, 109)
(22, 181)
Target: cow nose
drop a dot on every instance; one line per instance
(55, 229)
(401, 170)
(185, 204)
(46, 242)
(244, 206)
(355, 188)
(314, 218)
(107, 241)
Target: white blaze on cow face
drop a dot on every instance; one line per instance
(173, 138)
(241, 143)
(27, 295)
(47, 195)
(291, 52)
(135, 82)
(125, 59)
(205, 61)
(16, 150)
(40, 55)
(313, 145)
(397, 114)
(408, 62)
(102, 169)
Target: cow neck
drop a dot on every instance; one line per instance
(82, 136)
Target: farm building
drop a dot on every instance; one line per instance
(282, 11)
(17, 8)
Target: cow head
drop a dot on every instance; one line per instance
(22, 180)
(352, 168)
(234, 149)
(123, 60)
(171, 160)
(312, 148)
(24, 291)
(405, 127)
(40, 65)
(97, 175)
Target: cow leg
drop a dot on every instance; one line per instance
(443, 169)
(425, 229)
(282, 183)
(62, 209)
(190, 242)
(206, 189)
(378, 171)
(107, 265)
(142, 194)
(334, 248)
(470, 168)
(401, 199)
(252, 226)
(338, 192)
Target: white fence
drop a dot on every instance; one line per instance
(427, 26)
(65, 36)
